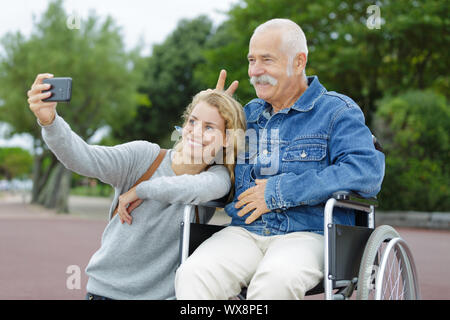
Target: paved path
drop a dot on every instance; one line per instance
(37, 246)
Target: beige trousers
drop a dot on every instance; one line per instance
(274, 267)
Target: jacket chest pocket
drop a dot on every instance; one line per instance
(301, 157)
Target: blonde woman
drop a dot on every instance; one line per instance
(138, 255)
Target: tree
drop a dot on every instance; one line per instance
(15, 163)
(415, 130)
(104, 87)
(168, 85)
(409, 50)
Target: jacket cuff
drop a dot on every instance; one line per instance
(272, 194)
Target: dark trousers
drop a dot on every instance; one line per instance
(91, 296)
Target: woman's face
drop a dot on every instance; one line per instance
(204, 133)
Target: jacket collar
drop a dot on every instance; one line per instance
(308, 99)
(305, 103)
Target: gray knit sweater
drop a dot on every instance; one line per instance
(136, 261)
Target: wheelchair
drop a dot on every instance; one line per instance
(375, 262)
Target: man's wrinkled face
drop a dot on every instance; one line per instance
(267, 66)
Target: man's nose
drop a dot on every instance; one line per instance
(255, 70)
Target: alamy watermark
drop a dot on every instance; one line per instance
(73, 21)
(374, 20)
(250, 146)
(73, 281)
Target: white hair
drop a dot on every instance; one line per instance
(293, 41)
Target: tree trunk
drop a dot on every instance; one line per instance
(37, 165)
(40, 176)
(55, 193)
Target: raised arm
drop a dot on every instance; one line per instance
(112, 165)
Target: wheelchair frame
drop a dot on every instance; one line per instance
(342, 259)
(346, 200)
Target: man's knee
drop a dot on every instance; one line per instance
(198, 279)
(188, 271)
(283, 283)
(189, 279)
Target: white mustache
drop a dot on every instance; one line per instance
(264, 79)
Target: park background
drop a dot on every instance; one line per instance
(391, 57)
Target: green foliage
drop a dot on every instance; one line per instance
(410, 50)
(15, 163)
(414, 128)
(168, 83)
(104, 78)
(144, 97)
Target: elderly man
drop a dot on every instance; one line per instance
(304, 143)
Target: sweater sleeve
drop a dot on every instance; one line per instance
(112, 165)
(208, 185)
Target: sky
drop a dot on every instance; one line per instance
(148, 21)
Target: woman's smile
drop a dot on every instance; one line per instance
(194, 143)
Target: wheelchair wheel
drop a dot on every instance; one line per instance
(387, 270)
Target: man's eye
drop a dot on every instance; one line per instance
(209, 128)
(191, 121)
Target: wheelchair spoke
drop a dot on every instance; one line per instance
(395, 263)
(388, 281)
(398, 278)
(402, 295)
(392, 273)
(396, 284)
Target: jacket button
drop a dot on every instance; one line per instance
(265, 152)
(266, 232)
(303, 155)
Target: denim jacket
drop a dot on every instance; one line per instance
(317, 146)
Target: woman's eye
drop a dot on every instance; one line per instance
(208, 127)
(191, 121)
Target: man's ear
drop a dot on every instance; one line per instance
(300, 62)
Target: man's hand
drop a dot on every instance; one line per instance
(127, 203)
(253, 199)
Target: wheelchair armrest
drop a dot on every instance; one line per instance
(347, 196)
(218, 203)
(353, 197)
(377, 144)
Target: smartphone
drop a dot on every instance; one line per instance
(61, 89)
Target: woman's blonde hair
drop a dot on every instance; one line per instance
(233, 114)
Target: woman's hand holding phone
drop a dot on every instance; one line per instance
(44, 111)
